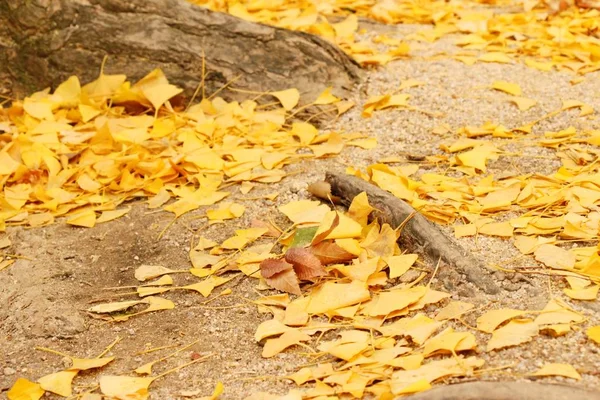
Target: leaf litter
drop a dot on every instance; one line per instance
(356, 259)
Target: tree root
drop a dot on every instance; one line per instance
(418, 233)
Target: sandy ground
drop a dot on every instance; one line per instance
(43, 295)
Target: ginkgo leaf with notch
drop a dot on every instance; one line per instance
(287, 339)
(489, 321)
(288, 98)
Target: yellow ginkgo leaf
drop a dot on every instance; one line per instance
(146, 272)
(287, 339)
(489, 321)
(326, 98)
(450, 341)
(85, 218)
(113, 214)
(288, 98)
(114, 307)
(82, 364)
(398, 265)
(555, 257)
(495, 57)
(398, 299)
(566, 370)
(507, 87)
(24, 389)
(331, 296)
(556, 313)
(7, 164)
(272, 327)
(58, 382)
(125, 387)
(523, 103)
(160, 93)
(453, 310)
(594, 333)
(514, 333)
(347, 228)
(401, 380)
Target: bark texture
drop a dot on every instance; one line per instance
(419, 233)
(43, 42)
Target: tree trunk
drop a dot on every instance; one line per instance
(43, 42)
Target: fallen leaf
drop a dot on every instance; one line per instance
(287, 339)
(305, 263)
(489, 321)
(555, 257)
(453, 310)
(114, 307)
(82, 364)
(286, 281)
(507, 87)
(523, 103)
(331, 296)
(111, 215)
(146, 272)
(401, 380)
(271, 266)
(398, 265)
(125, 387)
(24, 389)
(58, 382)
(288, 98)
(594, 333)
(555, 369)
(514, 333)
(330, 253)
(326, 98)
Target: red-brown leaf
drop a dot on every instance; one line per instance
(272, 266)
(306, 265)
(330, 253)
(286, 281)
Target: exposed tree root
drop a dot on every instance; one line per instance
(418, 233)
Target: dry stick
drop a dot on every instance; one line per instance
(418, 233)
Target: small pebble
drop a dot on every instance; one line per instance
(9, 371)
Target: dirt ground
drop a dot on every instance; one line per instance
(64, 268)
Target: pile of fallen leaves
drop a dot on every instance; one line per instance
(368, 330)
(532, 32)
(82, 151)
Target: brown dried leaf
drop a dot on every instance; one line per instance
(330, 253)
(286, 281)
(306, 264)
(271, 266)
